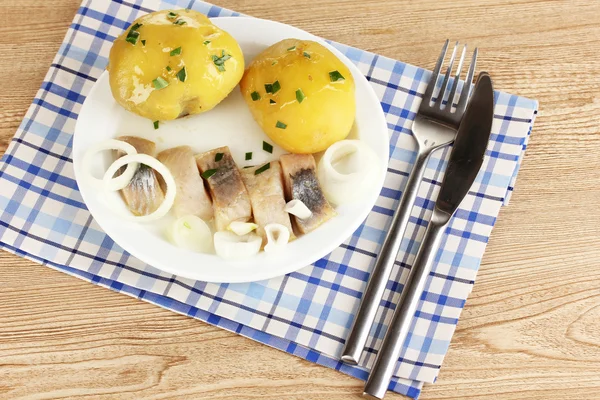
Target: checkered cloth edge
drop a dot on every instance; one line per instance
(307, 313)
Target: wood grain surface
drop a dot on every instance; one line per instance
(531, 328)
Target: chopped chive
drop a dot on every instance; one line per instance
(179, 22)
(249, 156)
(262, 169)
(187, 225)
(206, 42)
(156, 123)
(271, 101)
(291, 48)
(267, 147)
(143, 42)
(135, 27)
(274, 62)
(335, 76)
(300, 95)
(182, 75)
(168, 68)
(280, 125)
(255, 96)
(176, 52)
(305, 54)
(248, 166)
(272, 87)
(218, 157)
(132, 37)
(220, 61)
(208, 173)
(160, 83)
(171, 15)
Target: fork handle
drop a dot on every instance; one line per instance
(359, 333)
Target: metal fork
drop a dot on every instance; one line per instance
(434, 127)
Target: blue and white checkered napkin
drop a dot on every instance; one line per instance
(307, 313)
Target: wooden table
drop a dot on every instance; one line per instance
(531, 328)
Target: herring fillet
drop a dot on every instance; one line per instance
(267, 198)
(143, 194)
(230, 197)
(191, 197)
(301, 183)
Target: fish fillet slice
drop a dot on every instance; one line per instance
(143, 195)
(230, 197)
(267, 198)
(191, 198)
(301, 183)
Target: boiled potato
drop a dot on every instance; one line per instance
(301, 95)
(172, 63)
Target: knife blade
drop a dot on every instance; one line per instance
(465, 162)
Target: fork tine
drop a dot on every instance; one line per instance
(440, 98)
(434, 76)
(456, 78)
(464, 95)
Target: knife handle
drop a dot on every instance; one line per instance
(383, 368)
(359, 333)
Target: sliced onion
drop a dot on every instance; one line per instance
(159, 167)
(230, 246)
(191, 233)
(120, 181)
(347, 171)
(242, 228)
(298, 208)
(278, 237)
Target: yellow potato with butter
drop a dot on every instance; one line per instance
(301, 95)
(172, 63)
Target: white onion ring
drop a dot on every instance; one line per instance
(278, 237)
(352, 184)
(242, 228)
(192, 233)
(159, 167)
(230, 246)
(120, 181)
(298, 208)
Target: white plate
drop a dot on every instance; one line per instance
(231, 124)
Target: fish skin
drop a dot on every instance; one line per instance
(231, 201)
(301, 183)
(143, 194)
(192, 197)
(267, 198)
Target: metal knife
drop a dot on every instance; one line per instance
(465, 161)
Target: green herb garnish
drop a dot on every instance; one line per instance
(143, 42)
(271, 101)
(272, 87)
(263, 168)
(206, 42)
(280, 125)
(220, 61)
(176, 52)
(335, 76)
(168, 68)
(248, 166)
(171, 15)
(179, 22)
(305, 54)
(187, 225)
(135, 27)
(182, 75)
(274, 62)
(156, 124)
(300, 95)
(132, 37)
(160, 83)
(249, 156)
(208, 173)
(291, 48)
(267, 147)
(218, 157)
(255, 96)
